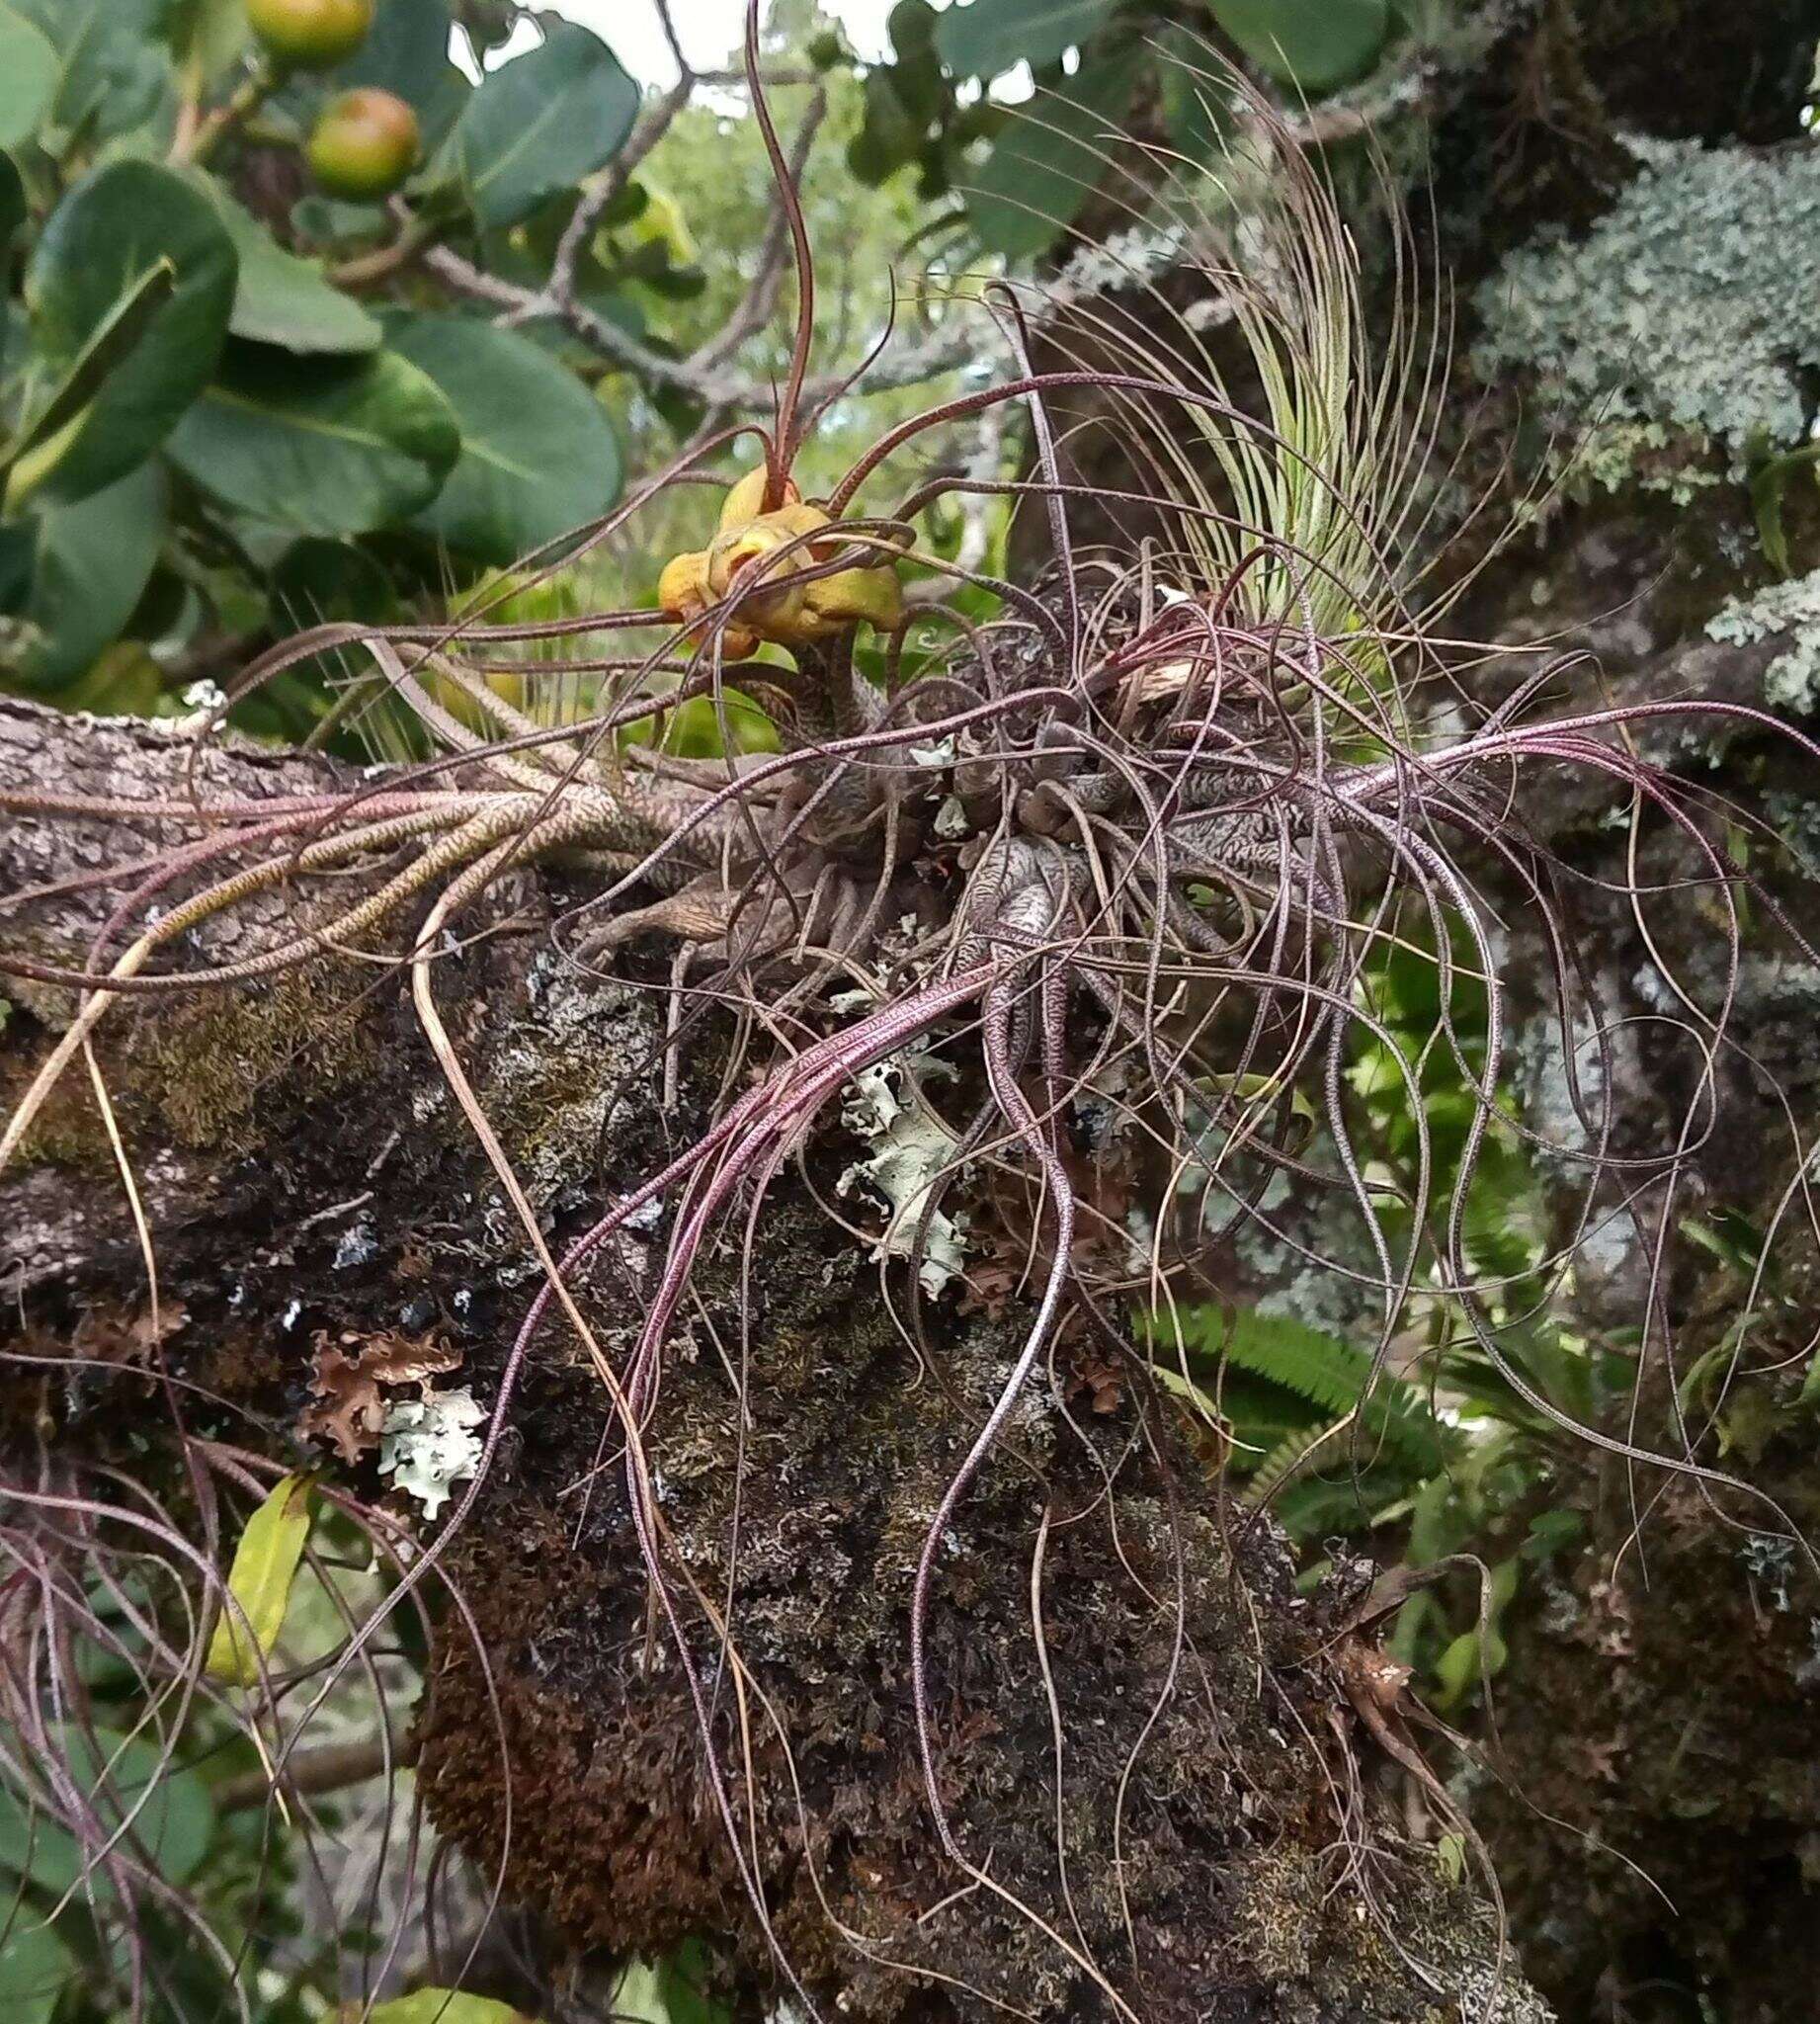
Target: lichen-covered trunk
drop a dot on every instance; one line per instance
(1624, 197)
(1154, 1776)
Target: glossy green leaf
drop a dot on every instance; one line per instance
(260, 1581)
(35, 1968)
(285, 301)
(888, 137)
(541, 124)
(102, 241)
(1048, 159)
(121, 1779)
(88, 567)
(319, 447)
(115, 68)
(40, 442)
(538, 454)
(316, 580)
(911, 25)
(29, 70)
(988, 37)
(310, 583)
(444, 2007)
(208, 35)
(1314, 44)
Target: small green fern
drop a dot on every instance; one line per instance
(1329, 1374)
(1289, 1458)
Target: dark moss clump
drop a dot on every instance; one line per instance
(1200, 1840)
(211, 1063)
(1668, 1691)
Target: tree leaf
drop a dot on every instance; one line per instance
(888, 139)
(285, 301)
(1048, 159)
(90, 563)
(115, 67)
(444, 2007)
(681, 1977)
(988, 37)
(538, 454)
(35, 1968)
(314, 581)
(323, 446)
(265, 1567)
(120, 1778)
(1467, 1659)
(1314, 44)
(209, 34)
(39, 444)
(107, 235)
(29, 70)
(542, 124)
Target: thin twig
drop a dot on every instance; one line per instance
(600, 196)
(311, 1772)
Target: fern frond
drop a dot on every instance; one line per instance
(1288, 1459)
(1330, 1374)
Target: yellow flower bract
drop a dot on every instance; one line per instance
(779, 605)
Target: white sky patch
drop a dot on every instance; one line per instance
(709, 32)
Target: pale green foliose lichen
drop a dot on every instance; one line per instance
(1792, 681)
(911, 1151)
(1693, 305)
(428, 1445)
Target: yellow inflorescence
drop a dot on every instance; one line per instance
(779, 606)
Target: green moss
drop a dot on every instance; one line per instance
(1683, 321)
(209, 1063)
(69, 1130)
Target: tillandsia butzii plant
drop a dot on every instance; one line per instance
(1121, 856)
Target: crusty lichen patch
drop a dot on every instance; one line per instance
(1683, 321)
(1792, 681)
(581, 1058)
